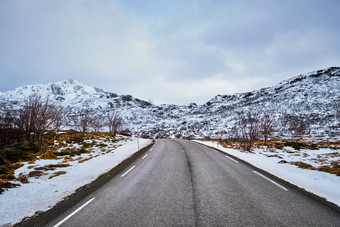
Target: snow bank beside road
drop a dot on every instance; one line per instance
(320, 183)
(43, 193)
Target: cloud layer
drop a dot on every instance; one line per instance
(174, 52)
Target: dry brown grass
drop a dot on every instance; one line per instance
(68, 158)
(23, 178)
(7, 171)
(57, 174)
(273, 155)
(6, 184)
(49, 153)
(85, 159)
(228, 143)
(51, 143)
(333, 155)
(334, 168)
(36, 173)
(305, 155)
(52, 167)
(303, 165)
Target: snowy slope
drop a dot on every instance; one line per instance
(314, 97)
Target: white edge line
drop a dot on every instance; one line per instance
(232, 159)
(280, 186)
(73, 213)
(128, 171)
(145, 156)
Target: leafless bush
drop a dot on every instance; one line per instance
(97, 123)
(248, 130)
(7, 127)
(114, 122)
(299, 124)
(58, 119)
(37, 116)
(83, 121)
(266, 125)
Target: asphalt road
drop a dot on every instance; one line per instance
(182, 183)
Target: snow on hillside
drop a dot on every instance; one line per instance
(43, 192)
(312, 98)
(323, 184)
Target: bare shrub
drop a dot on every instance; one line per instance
(266, 126)
(97, 123)
(247, 130)
(115, 122)
(36, 117)
(83, 121)
(299, 125)
(23, 178)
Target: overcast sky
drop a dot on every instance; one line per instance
(175, 51)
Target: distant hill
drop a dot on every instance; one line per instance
(312, 99)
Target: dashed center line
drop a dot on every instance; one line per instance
(231, 159)
(280, 186)
(128, 171)
(145, 156)
(74, 212)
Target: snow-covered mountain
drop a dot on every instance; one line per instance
(312, 99)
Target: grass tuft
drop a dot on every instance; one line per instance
(36, 173)
(71, 152)
(303, 165)
(6, 184)
(57, 174)
(23, 178)
(51, 167)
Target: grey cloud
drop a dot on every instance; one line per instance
(131, 46)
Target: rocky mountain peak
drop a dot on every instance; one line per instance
(313, 98)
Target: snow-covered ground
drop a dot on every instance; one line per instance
(44, 192)
(323, 184)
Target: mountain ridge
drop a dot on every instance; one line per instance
(314, 96)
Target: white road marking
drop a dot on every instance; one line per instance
(280, 186)
(145, 156)
(128, 171)
(73, 213)
(232, 159)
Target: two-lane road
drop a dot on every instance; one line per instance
(182, 183)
